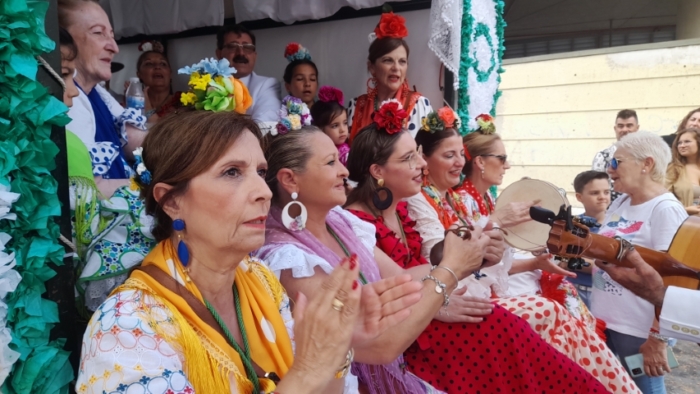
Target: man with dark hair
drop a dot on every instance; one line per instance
(626, 122)
(237, 44)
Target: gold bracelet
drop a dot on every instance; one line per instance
(345, 368)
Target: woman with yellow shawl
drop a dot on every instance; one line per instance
(201, 316)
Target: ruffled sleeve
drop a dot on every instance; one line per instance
(121, 116)
(428, 223)
(291, 257)
(419, 112)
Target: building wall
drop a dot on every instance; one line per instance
(557, 111)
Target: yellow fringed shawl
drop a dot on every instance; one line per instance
(209, 360)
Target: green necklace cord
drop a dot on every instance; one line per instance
(244, 353)
(345, 250)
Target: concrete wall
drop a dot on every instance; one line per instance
(557, 111)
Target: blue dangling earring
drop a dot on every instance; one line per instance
(182, 252)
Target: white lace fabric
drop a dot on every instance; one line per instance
(446, 34)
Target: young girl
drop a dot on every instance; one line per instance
(329, 115)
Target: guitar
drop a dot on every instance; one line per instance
(568, 238)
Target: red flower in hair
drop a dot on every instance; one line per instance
(390, 117)
(329, 93)
(392, 26)
(291, 49)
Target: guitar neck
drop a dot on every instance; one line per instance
(607, 249)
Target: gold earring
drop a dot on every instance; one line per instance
(380, 182)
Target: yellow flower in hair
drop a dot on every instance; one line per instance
(295, 120)
(188, 98)
(424, 124)
(201, 82)
(133, 185)
(219, 80)
(193, 77)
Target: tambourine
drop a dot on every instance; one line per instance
(531, 235)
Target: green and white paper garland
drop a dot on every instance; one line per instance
(480, 60)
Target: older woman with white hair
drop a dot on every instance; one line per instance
(648, 215)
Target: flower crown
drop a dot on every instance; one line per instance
(295, 51)
(141, 170)
(213, 88)
(485, 123)
(293, 115)
(390, 116)
(328, 94)
(444, 118)
(151, 45)
(390, 26)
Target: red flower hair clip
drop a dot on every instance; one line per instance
(390, 116)
(391, 26)
(485, 123)
(329, 94)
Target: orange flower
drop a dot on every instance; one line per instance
(447, 115)
(242, 96)
(392, 26)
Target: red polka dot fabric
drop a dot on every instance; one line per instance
(500, 355)
(573, 338)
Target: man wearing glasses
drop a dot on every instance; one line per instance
(626, 122)
(237, 44)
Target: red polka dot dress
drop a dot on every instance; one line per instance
(502, 354)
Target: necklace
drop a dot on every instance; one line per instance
(454, 209)
(345, 250)
(244, 353)
(481, 201)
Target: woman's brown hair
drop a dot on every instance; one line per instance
(382, 46)
(676, 178)
(291, 150)
(681, 126)
(370, 146)
(476, 144)
(182, 146)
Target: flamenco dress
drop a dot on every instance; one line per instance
(502, 354)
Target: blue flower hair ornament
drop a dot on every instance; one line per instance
(210, 66)
(141, 170)
(293, 114)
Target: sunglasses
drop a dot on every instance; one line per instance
(614, 162)
(502, 158)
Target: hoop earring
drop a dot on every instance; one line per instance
(298, 223)
(183, 254)
(373, 82)
(379, 203)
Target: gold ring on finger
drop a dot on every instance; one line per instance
(338, 305)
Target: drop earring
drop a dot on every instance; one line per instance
(482, 174)
(379, 202)
(183, 254)
(298, 223)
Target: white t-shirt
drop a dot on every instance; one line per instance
(651, 225)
